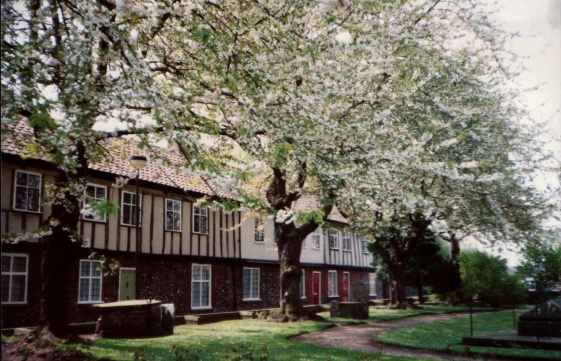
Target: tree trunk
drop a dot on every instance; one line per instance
(57, 264)
(289, 242)
(397, 274)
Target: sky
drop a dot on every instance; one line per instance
(538, 23)
(538, 45)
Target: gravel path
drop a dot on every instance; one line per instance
(362, 338)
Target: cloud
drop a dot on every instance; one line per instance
(554, 13)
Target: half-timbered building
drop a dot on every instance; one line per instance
(201, 259)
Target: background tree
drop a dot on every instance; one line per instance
(541, 263)
(485, 279)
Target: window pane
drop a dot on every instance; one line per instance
(169, 205)
(177, 206)
(205, 294)
(95, 290)
(33, 180)
(6, 263)
(21, 198)
(18, 264)
(100, 193)
(18, 288)
(84, 269)
(33, 200)
(196, 272)
(127, 198)
(177, 221)
(21, 179)
(5, 288)
(95, 270)
(203, 225)
(196, 297)
(84, 289)
(127, 214)
(206, 273)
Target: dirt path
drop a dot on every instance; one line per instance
(362, 337)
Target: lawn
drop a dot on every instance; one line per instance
(384, 314)
(228, 340)
(443, 334)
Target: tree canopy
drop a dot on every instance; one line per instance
(395, 111)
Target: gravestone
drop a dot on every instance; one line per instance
(544, 320)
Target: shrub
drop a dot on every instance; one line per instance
(485, 279)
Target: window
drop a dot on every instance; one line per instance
(200, 287)
(364, 244)
(259, 230)
(89, 288)
(27, 192)
(200, 218)
(332, 284)
(303, 285)
(372, 284)
(346, 236)
(333, 238)
(250, 284)
(14, 278)
(173, 215)
(94, 193)
(128, 208)
(316, 238)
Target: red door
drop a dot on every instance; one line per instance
(345, 287)
(316, 299)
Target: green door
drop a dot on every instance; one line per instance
(127, 284)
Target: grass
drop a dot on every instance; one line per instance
(448, 334)
(384, 314)
(228, 340)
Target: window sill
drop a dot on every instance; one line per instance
(348, 250)
(89, 302)
(201, 308)
(251, 299)
(316, 248)
(94, 220)
(14, 303)
(204, 234)
(26, 211)
(173, 230)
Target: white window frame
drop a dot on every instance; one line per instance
(332, 284)
(346, 240)
(201, 281)
(173, 212)
(95, 218)
(197, 213)
(333, 234)
(27, 187)
(12, 273)
(372, 284)
(133, 208)
(254, 284)
(93, 265)
(259, 230)
(316, 238)
(303, 285)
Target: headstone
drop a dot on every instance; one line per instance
(334, 311)
(543, 320)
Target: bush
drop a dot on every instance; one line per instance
(485, 279)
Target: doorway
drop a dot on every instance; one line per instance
(127, 284)
(316, 288)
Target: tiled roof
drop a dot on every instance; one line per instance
(19, 134)
(309, 203)
(172, 175)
